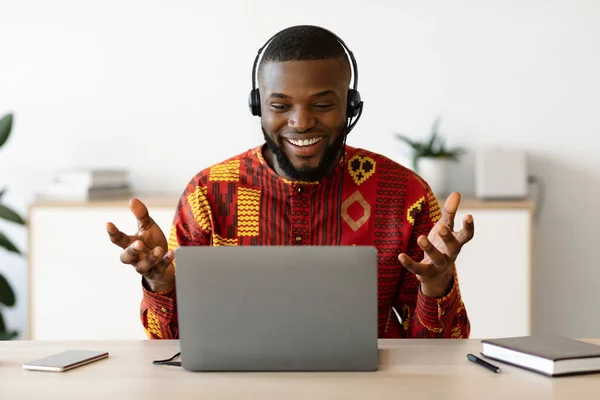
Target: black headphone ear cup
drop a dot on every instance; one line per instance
(353, 104)
(254, 102)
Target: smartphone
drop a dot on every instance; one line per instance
(65, 361)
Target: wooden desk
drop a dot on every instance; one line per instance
(410, 369)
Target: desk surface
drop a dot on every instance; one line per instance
(410, 369)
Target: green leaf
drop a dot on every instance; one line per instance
(408, 141)
(7, 244)
(2, 192)
(415, 160)
(435, 136)
(434, 146)
(432, 141)
(8, 335)
(419, 149)
(7, 296)
(9, 215)
(442, 146)
(5, 128)
(4, 335)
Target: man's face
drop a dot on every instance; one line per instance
(303, 116)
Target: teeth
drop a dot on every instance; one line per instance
(305, 142)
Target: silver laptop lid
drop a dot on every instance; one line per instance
(277, 308)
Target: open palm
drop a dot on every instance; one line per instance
(441, 246)
(146, 250)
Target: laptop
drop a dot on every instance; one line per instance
(277, 308)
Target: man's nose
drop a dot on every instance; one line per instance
(301, 119)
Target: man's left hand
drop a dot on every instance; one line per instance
(441, 248)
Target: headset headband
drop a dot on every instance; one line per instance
(350, 56)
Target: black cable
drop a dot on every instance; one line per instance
(168, 361)
(340, 191)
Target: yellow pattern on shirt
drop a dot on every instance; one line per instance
(200, 208)
(228, 171)
(248, 211)
(153, 328)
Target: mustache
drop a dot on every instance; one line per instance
(297, 132)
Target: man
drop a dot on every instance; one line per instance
(306, 187)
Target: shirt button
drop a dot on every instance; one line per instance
(298, 238)
(300, 190)
(163, 310)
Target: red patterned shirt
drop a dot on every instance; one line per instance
(243, 202)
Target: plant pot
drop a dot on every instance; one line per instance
(434, 171)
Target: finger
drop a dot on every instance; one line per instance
(150, 260)
(449, 209)
(117, 237)
(158, 267)
(450, 241)
(414, 267)
(468, 230)
(437, 257)
(140, 211)
(132, 253)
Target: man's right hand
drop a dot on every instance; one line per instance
(146, 250)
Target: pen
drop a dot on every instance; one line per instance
(483, 363)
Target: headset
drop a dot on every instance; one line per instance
(354, 103)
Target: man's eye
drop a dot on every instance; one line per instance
(279, 107)
(323, 106)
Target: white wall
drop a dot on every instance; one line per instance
(161, 88)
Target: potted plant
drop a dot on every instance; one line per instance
(430, 158)
(7, 295)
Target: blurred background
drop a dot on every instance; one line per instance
(159, 90)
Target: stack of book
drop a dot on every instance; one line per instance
(88, 184)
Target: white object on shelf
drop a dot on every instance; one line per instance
(500, 174)
(434, 171)
(93, 177)
(72, 192)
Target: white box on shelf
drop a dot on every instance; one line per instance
(500, 174)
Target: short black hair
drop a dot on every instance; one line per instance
(305, 42)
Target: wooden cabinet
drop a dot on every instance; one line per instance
(78, 287)
(79, 290)
(495, 272)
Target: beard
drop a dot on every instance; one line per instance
(324, 166)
